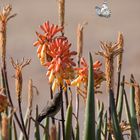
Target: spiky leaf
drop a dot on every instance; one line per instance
(99, 122)
(115, 122)
(89, 126)
(68, 122)
(120, 100)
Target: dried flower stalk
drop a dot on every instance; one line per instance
(4, 17)
(109, 52)
(18, 75)
(18, 86)
(137, 103)
(80, 41)
(120, 45)
(80, 29)
(61, 12)
(4, 131)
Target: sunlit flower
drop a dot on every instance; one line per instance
(3, 101)
(61, 66)
(82, 76)
(49, 33)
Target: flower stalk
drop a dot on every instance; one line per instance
(4, 131)
(5, 15)
(18, 86)
(61, 13)
(109, 52)
(119, 62)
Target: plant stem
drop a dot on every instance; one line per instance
(66, 96)
(10, 99)
(118, 86)
(62, 115)
(21, 118)
(109, 118)
(51, 95)
(29, 124)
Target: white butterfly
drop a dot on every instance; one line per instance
(103, 11)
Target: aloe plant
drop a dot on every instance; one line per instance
(58, 132)
(77, 133)
(89, 126)
(37, 130)
(99, 122)
(117, 131)
(134, 125)
(104, 127)
(46, 131)
(68, 122)
(120, 100)
(15, 131)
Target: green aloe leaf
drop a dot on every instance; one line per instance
(58, 132)
(37, 130)
(134, 125)
(10, 128)
(68, 122)
(99, 122)
(46, 131)
(104, 128)
(15, 131)
(2, 82)
(89, 126)
(26, 119)
(117, 131)
(127, 108)
(77, 131)
(120, 100)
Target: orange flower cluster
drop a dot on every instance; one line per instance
(45, 40)
(54, 53)
(82, 76)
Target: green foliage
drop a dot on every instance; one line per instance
(89, 126)
(46, 131)
(120, 100)
(104, 127)
(99, 122)
(134, 125)
(115, 122)
(37, 130)
(68, 122)
(15, 131)
(58, 132)
(77, 135)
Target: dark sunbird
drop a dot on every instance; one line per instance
(52, 108)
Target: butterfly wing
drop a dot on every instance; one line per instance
(105, 12)
(98, 10)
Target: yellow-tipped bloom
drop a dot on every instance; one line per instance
(61, 65)
(54, 53)
(44, 40)
(82, 76)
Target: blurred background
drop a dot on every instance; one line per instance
(21, 35)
